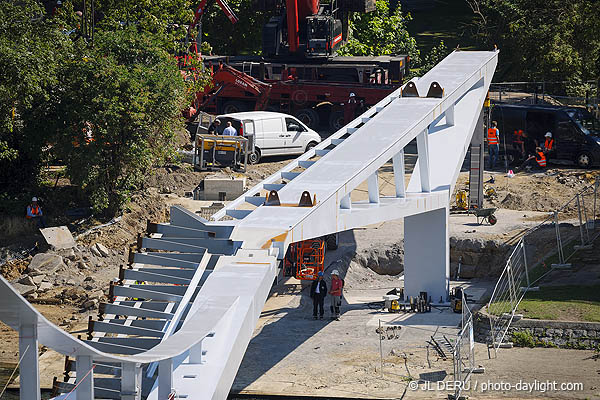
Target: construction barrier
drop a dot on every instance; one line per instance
(464, 351)
(542, 249)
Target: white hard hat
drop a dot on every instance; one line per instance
(34, 199)
(335, 272)
(352, 95)
(548, 134)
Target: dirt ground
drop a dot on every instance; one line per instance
(532, 194)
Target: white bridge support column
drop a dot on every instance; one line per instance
(426, 255)
(29, 368)
(423, 150)
(165, 378)
(85, 378)
(131, 381)
(399, 171)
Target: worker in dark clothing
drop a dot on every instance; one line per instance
(318, 291)
(350, 109)
(537, 161)
(213, 128)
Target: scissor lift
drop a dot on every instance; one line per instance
(304, 260)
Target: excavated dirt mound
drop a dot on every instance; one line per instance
(544, 192)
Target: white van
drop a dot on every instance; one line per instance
(275, 134)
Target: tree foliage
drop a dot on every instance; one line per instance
(32, 48)
(245, 37)
(107, 111)
(548, 40)
(380, 33)
(119, 111)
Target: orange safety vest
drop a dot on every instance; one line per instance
(493, 136)
(34, 210)
(519, 137)
(548, 144)
(542, 160)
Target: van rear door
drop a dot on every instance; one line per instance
(249, 133)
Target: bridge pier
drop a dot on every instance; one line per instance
(29, 368)
(426, 250)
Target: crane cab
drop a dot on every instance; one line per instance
(323, 36)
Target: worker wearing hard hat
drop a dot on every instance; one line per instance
(34, 211)
(493, 138)
(213, 128)
(537, 161)
(549, 143)
(350, 109)
(318, 291)
(336, 294)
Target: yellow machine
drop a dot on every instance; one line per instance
(216, 151)
(489, 192)
(456, 299)
(394, 306)
(462, 201)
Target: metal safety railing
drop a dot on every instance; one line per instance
(464, 351)
(537, 254)
(557, 93)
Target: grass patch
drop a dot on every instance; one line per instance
(544, 266)
(567, 303)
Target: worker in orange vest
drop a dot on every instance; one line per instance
(549, 143)
(540, 160)
(493, 137)
(520, 142)
(34, 211)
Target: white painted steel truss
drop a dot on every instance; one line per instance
(185, 309)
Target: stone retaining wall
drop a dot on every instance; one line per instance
(544, 333)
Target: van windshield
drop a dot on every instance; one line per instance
(585, 121)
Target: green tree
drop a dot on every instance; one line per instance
(32, 49)
(435, 55)
(245, 37)
(380, 33)
(165, 20)
(119, 106)
(548, 40)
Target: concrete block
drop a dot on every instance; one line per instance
(43, 263)
(58, 237)
(27, 280)
(232, 186)
(24, 290)
(45, 286)
(102, 250)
